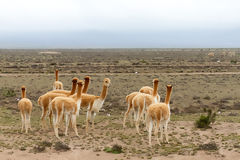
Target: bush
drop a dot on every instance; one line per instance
(41, 147)
(59, 146)
(234, 61)
(207, 98)
(45, 143)
(208, 146)
(7, 92)
(116, 149)
(38, 149)
(205, 121)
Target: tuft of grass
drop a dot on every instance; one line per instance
(59, 146)
(116, 149)
(234, 61)
(8, 92)
(22, 148)
(208, 146)
(38, 149)
(207, 97)
(45, 143)
(205, 121)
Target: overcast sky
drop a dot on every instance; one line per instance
(119, 23)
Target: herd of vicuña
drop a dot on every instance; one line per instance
(62, 105)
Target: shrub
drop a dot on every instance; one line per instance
(45, 143)
(208, 146)
(207, 97)
(41, 147)
(234, 61)
(8, 92)
(59, 146)
(38, 149)
(116, 149)
(205, 121)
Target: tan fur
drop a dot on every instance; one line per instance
(149, 90)
(25, 107)
(57, 85)
(159, 113)
(94, 103)
(44, 100)
(67, 106)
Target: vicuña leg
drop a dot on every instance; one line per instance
(74, 124)
(23, 121)
(67, 123)
(126, 115)
(44, 113)
(150, 132)
(87, 120)
(93, 114)
(26, 123)
(165, 131)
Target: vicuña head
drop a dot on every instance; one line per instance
(87, 78)
(80, 83)
(74, 85)
(74, 80)
(106, 82)
(155, 80)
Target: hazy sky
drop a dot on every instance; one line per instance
(119, 23)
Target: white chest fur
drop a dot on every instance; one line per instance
(78, 106)
(97, 105)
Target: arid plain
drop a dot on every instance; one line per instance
(201, 79)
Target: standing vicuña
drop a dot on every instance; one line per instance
(94, 103)
(25, 107)
(159, 113)
(67, 106)
(57, 84)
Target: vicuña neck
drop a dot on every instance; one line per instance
(74, 86)
(23, 93)
(85, 87)
(56, 73)
(104, 92)
(155, 89)
(79, 92)
(167, 99)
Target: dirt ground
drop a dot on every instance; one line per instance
(199, 81)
